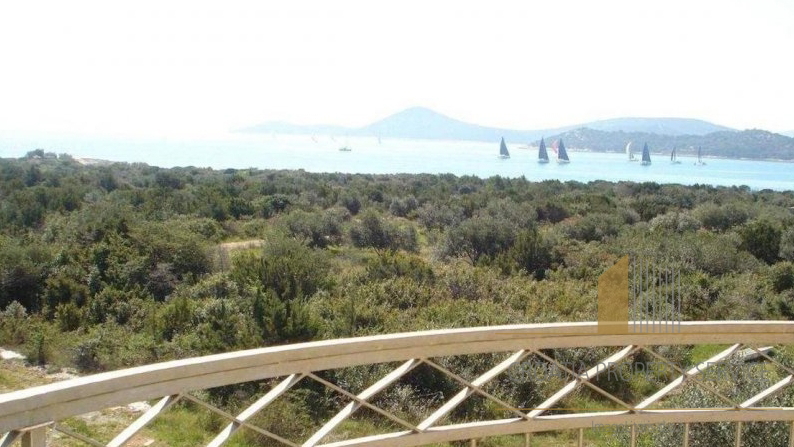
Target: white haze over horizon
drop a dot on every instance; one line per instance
(151, 68)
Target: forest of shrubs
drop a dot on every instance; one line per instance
(105, 267)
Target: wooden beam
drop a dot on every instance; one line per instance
(694, 378)
(599, 390)
(60, 400)
(767, 392)
(686, 434)
(355, 398)
(143, 420)
(791, 435)
(738, 436)
(254, 408)
(454, 432)
(232, 418)
(365, 395)
(10, 438)
(702, 366)
(36, 437)
(587, 375)
(78, 436)
(470, 388)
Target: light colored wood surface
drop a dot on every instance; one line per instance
(54, 402)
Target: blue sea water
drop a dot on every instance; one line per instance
(369, 155)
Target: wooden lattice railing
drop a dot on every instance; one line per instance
(30, 416)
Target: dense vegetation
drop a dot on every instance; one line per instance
(751, 144)
(104, 267)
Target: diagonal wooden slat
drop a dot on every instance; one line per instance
(75, 435)
(127, 434)
(60, 400)
(254, 408)
(365, 395)
(471, 388)
(751, 354)
(232, 418)
(694, 378)
(767, 392)
(350, 395)
(766, 356)
(35, 408)
(9, 438)
(585, 376)
(597, 389)
(702, 366)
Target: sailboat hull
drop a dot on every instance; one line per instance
(563, 162)
(543, 162)
(503, 157)
(646, 163)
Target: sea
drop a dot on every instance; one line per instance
(372, 155)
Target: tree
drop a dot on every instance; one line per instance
(787, 244)
(762, 239)
(479, 237)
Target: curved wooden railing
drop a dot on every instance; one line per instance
(29, 414)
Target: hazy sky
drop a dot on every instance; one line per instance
(160, 67)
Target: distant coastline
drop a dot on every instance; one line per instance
(686, 134)
(662, 154)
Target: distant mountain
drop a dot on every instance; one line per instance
(754, 144)
(423, 123)
(661, 126)
(788, 133)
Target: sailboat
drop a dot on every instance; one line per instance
(629, 153)
(700, 161)
(562, 154)
(346, 147)
(646, 155)
(503, 149)
(543, 156)
(674, 158)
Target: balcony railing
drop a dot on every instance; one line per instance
(33, 416)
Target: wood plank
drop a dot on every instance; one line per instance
(587, 375)
(36, 437)
(767, 392)
(365, 395)
(456, 432)
(702, 366)
(10, 438)
(254, 408)
(467, 391)
(143, 420)
(60, 400)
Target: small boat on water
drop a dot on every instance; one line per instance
(562, 154)
(629, 153)
(345, 149)
(646, 155)
(700, 161)
(503, 153)
(543, 155)
(674, 158)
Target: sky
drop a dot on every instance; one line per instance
(159, 67)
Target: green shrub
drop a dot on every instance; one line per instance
(762, 239)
